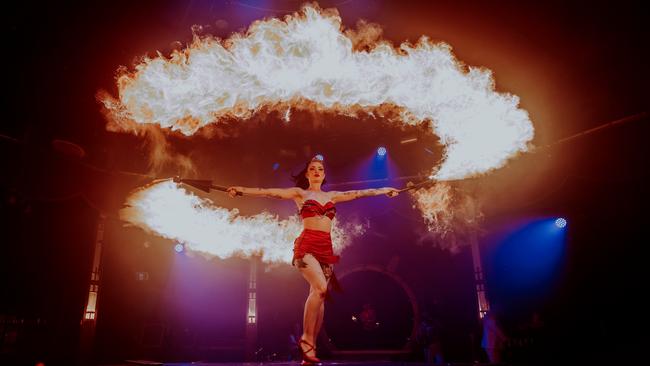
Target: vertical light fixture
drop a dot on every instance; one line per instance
(251, 314)
(90, 313)
(479, 277)
(89, 317)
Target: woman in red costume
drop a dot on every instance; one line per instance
(312, 252)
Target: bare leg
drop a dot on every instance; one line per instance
(321, 313)
(315, 301)
(319, 321)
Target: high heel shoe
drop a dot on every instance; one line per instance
(307, 360)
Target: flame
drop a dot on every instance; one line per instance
(308, 61)
(450, 215)
(172, 212)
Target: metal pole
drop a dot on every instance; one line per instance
(89, 318)
(479, 278)
(251, 315)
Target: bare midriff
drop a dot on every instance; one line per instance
(322, 223)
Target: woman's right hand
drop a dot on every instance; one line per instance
(233, 191)
(391, 192)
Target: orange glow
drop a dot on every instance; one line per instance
(308, 61)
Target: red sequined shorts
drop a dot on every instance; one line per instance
(317, 243)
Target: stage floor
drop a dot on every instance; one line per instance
(290, 363)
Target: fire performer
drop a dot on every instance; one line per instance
(313, 252)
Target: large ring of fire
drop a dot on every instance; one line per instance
(307, 60)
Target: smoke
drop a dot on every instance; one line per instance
(450, 214)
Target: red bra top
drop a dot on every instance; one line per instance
(312, 208)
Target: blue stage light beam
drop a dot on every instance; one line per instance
(530, 258)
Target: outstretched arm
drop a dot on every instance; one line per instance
(352, 195)
(281, 193)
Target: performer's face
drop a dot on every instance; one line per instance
(315, 172)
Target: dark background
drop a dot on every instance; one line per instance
(575, 66)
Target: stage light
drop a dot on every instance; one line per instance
(381, 151)
(179, 247)
(276, 166)
(560, 222)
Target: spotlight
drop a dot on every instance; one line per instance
(560, 222)
(179, 247)
(381, 151)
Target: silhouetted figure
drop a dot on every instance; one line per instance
(428, 338)
(368, 317)
(536, 336)
(493, 338)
